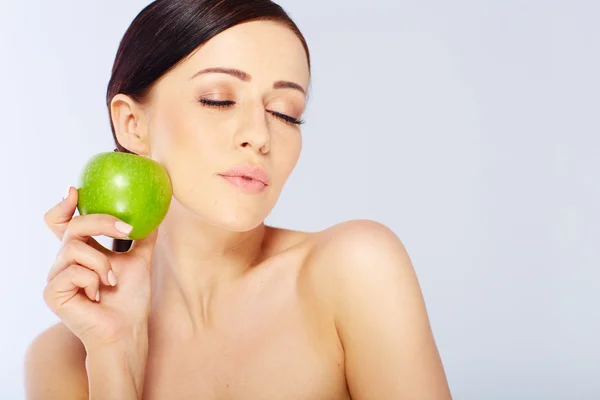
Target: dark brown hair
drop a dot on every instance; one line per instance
(165, 32)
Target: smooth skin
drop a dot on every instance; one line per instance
(215, 304)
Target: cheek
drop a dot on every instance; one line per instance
(184, 147)
(176, 134)
(287, 155)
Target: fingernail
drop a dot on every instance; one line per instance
(98, 295)
(112, 279)
(123, 227)
(67, 193)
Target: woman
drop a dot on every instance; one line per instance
(214, 304)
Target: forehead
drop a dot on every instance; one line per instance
(266, 50)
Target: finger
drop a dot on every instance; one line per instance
(83, 227)
(58, 217)
(67, 284)
(75, 252)
(145, 247)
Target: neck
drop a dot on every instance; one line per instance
(194, 262)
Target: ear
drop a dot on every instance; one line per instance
(129, 121)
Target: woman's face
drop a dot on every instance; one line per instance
(201, 124)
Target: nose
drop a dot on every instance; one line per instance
(253, 132)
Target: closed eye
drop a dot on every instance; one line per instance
(229, 103)
(216, 104)
(287, 118)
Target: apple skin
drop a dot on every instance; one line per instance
(133, 188)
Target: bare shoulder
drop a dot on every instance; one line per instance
(361, 272)
(358, 247)
(356, 256)
(55, 365)
(347, 247)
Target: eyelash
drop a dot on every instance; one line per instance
(229, 103)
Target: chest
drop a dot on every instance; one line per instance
(285, 353)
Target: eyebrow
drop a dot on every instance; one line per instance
(244, 76)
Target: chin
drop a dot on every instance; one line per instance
(229, 217)
(226, 210)
(237, 222)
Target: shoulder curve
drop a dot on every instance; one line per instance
(355, 238)
(54, 365)
(368, 282)
(353, 250)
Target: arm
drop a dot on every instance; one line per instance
(54, 366)
(118, 371)
(380, 315)
(57, 366)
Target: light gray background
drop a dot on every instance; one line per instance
(469, 127)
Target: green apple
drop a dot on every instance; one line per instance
(133, 188)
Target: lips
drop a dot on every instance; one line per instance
(248, 172)
(247, 178)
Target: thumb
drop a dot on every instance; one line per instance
(145, 247)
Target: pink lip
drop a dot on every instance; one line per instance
(252, 180)
(250, 186)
